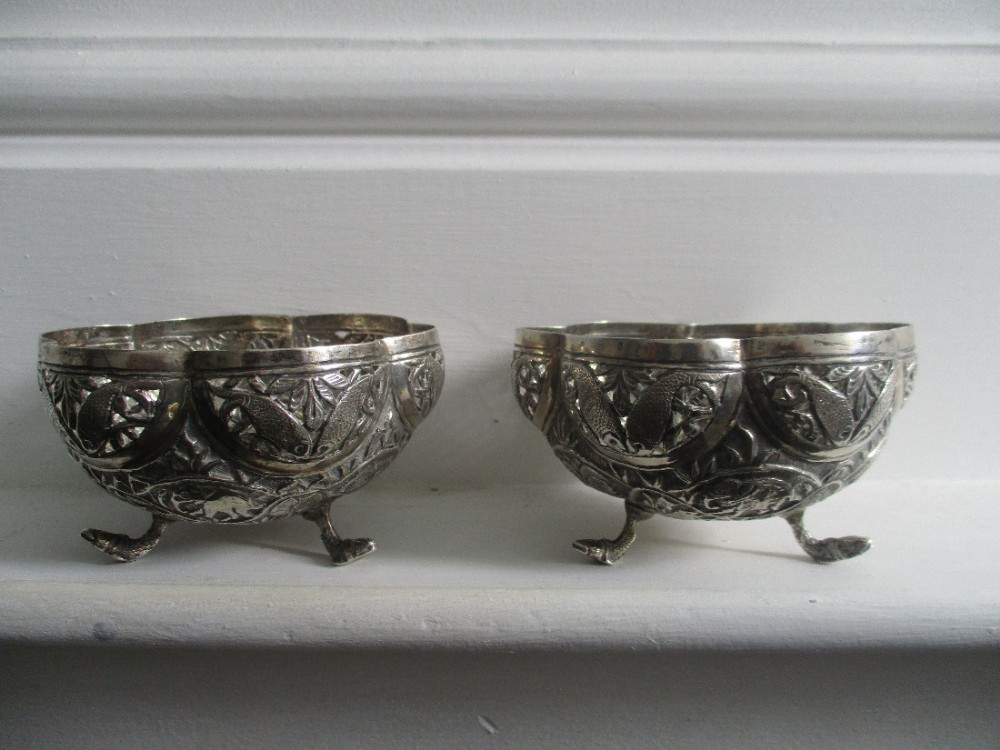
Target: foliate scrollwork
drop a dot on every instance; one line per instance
(191, 481)
(530, 374)
(751, 492)
(745, 475)
(418, 382)
(234, 438)
(909, 375)
(746, 422)
(292, 418)
(107, 418)
(194, 481)
(596, 473)
(214, 341)
(824, 411)
(336, 421)
(258, 339)
(424, 380)
(341, 336)
(645, 412)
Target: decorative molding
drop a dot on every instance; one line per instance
(856, 21)
(497, 87)
(604, 155)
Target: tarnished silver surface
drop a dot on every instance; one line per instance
(239, 419)
(718, 421)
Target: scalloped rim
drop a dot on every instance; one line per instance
(722, 343)
(112, 347)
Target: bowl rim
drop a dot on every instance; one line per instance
(113, 347)
(723, 343)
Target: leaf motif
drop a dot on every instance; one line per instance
(298, 397)
(275, 425)
(347, 414)
(93, 421)
(876, 380)
(695, 473)
(880, 371)
(841, 372)
(863, 399)
(257, 384)
(883, 405)
(432, 373)
(53, 383)
(282, 385)
(855, 382)
(772, 456)
(832, 409)
(312, 413)
(426, 383)
(138, 390)
(650, 417)
(75, 389)
(748, 492)
(325, 392)
(594, 408)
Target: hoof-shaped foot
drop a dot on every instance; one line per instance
(827, 550)
(599, 550)
(836, 548)
(123, 547)
(610, 551)
(344, 551)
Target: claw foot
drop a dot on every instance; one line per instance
(600, 550)
(827, 550)
(123, 547)
(609, 551)
(835, 548)
(342, 551)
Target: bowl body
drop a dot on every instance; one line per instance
(719, 421)
(240, 419)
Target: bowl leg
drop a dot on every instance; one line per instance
(830, 549)
(609, 551)
(125, 548)
(342, 551)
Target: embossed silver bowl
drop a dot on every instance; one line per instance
(715, 421)
(239, 419)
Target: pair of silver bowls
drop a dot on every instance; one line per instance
(251, 418)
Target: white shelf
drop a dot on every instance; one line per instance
(494, 569)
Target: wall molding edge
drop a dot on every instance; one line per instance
(497, 88)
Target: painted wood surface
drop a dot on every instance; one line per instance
(498, 87)
(890, 21)
(495, 570)
(479, 236)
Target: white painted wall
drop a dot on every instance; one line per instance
(856, 21)
(481, 236)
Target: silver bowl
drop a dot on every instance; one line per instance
(239, 419)
(718, 422)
